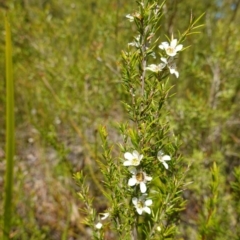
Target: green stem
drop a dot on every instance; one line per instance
(10, 139)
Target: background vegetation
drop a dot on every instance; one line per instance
(66, 58)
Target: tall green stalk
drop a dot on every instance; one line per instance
(10, 139)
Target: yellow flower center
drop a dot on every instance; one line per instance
(170, 50)
(135, 161)
(140, 204)
(140, 177)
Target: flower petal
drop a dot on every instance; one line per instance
(153, 68)
(128, 156)
(98, 225)
(147, 210)
(165, 164)
(127, 163)
(143, 187)
(134, 201)
(105, 215)
(179, 47)
(132, 182)
(148, 202)
(143, 197)
(172, 69)
(171, 54)
(130, 17)
(133, 170)
(164, 60)
(148, 178)
(176, 74)
(135, 154)
(160, 153)
(173, 43)
(164, 45)
(166, 158)
(140, 211)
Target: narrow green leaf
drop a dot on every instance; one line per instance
(10, 139)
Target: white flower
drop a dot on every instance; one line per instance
(156, 68)
(136, 43)
(104, 215)
(171, 49)
(98, 225)
(141, 205)
(159, 228)
(163, 158)
(139, 177)
(133, 159)
(133, 44)
(171, 65)
(130, 17)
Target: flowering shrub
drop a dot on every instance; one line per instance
(143, 187)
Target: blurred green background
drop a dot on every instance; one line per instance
(67, 72)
